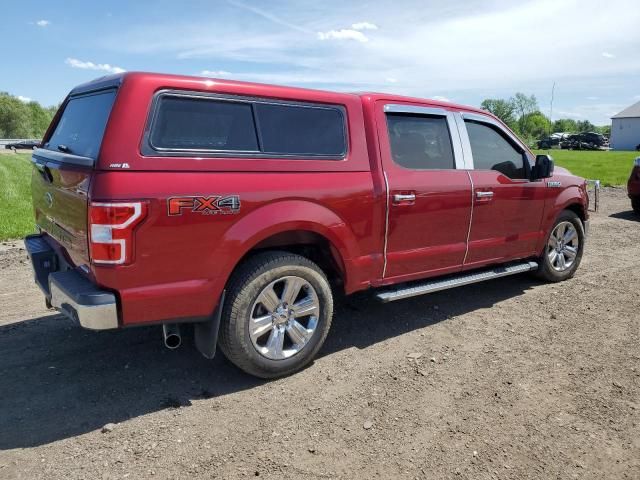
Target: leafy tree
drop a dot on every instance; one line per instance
(503, 109)
(585, 126)
(537, 125)
(23, 120)
(524, 106)
(565, 125)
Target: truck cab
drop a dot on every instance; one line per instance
(242, 209)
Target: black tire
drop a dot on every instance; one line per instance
(635, 204)
(547, 271)
(245, 287)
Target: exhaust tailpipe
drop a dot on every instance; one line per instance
(171, 334)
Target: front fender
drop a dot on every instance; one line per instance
(572, 195)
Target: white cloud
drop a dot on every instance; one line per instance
(43, 23)
(391, 80)
(364, 26)
(608, 55)
(215, 73)
(440, 98)
(593, 98)
(460, 48)
(343, 34)
(105, 67)
(24, 99)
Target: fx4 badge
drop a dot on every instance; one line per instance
(205, 205)
(554, 184)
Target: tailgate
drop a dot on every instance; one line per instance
(63, 168)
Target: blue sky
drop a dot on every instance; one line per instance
(463, 51)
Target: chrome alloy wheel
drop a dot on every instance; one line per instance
(563, 245)
(284, 317)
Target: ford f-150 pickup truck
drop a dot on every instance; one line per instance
(243, 209)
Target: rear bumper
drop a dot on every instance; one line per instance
(68, 290)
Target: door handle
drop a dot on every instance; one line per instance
(484, 195)
(404, 197)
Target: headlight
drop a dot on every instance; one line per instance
(636, 162)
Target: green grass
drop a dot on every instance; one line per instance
(611, 168)
(16, 213)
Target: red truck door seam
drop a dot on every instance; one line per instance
(473, 206)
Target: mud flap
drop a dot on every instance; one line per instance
(206, 333)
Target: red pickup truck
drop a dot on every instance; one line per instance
(633, 186)
(243, 209)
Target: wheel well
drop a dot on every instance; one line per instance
(578, 210)
(308, 244)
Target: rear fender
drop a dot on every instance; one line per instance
(290, 216)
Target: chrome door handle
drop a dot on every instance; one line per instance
(402, 197)
(484, 194)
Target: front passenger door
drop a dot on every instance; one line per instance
(507, 206)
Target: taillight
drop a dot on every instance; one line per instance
(111, 227)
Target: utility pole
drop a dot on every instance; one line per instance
(553, 89)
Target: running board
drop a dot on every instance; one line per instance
(436, 285)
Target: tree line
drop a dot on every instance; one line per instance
(522, 114)
(19, 119)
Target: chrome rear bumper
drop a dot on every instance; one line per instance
(69, 291)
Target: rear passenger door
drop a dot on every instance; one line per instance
(428, 191)
(508, 207)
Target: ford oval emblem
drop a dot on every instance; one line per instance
(48, 199)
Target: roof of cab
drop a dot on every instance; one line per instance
(119, 78)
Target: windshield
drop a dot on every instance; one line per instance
(80, 129)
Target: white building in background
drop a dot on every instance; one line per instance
(625, 128)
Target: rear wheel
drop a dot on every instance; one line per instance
(277, 314)
(563, 251)
(635, 204)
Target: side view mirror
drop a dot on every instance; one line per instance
(543, 167)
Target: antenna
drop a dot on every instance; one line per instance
(553, 89)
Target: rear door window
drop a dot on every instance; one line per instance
(420, 142)
(82, 124)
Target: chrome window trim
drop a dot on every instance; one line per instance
(149, 150)
(454, 133)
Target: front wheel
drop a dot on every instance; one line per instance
(563, 251)
(277, 314)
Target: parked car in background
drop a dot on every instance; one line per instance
(585, 141)
(23, 145)
(244, 208)
(633, 186)
(553, 140)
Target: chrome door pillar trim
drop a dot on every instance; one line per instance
(464, 141)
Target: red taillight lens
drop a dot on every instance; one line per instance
(111, 227)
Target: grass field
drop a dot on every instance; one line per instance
(16, 215)
(611, 168)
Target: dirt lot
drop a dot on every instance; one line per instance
(507, 379)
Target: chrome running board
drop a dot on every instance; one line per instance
(435, 285)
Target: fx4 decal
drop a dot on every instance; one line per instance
(205, 205)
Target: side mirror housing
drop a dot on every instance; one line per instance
(543, 167)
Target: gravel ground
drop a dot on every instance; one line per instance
(510, 379)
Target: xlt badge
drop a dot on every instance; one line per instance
(205, 205)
